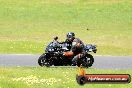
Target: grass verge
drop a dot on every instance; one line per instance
(29, 25)
(38, 77)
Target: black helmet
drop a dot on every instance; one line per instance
(70, 36)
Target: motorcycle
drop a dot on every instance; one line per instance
(53, 55)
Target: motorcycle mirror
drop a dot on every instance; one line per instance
(56, 37)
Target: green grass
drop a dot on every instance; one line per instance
(38, 77)
(27, 26)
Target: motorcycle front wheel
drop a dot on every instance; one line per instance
(42, 61)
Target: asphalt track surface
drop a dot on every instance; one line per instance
(102, 62)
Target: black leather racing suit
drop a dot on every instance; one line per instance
(77, 47)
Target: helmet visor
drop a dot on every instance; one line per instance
(70, 36)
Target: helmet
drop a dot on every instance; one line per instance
(70, 36)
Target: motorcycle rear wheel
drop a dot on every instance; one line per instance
(86, 61)
(89, 60)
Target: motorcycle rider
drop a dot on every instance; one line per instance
(76, 47)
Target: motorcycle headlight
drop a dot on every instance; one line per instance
(50, 50)
(90, 50)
